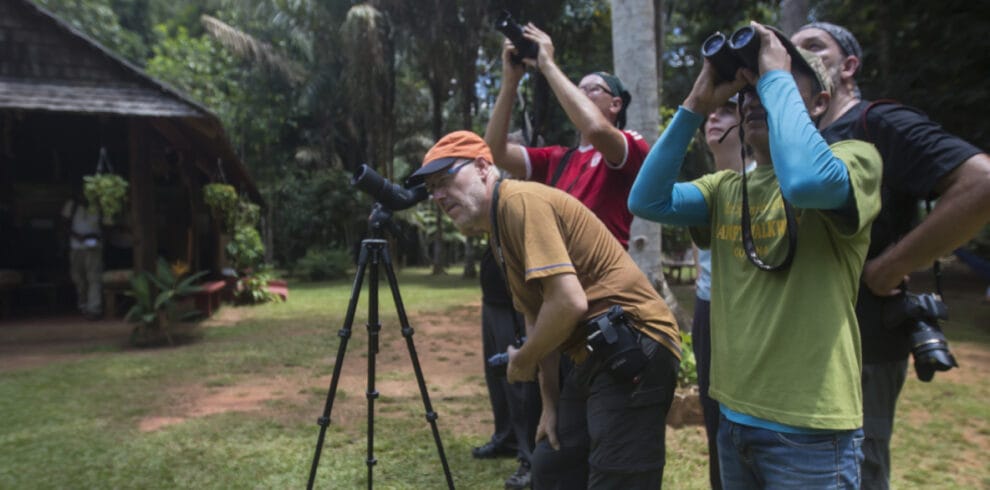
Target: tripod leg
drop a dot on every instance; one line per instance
(407, 332)
(374, 327)
(345, 335)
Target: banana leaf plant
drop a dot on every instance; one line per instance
(156, 300)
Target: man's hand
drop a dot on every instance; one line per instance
(542, 39)
(511, 72)
(548, 427)
(709, 92)
(518, 370)
(773, 54)
(882, 280)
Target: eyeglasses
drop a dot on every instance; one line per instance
(591, 89)
(447, 176)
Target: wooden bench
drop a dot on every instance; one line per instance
(116, 283)
(279, 287)
(208, 298)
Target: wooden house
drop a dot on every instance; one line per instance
(63, 99)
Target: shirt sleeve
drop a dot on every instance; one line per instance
(810, 176)
(635, 152)
(655, 194)
(536, 234)
(918, 151)
(865, 168)
(542, 161)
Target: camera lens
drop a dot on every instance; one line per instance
(930, 350)
(713, 44)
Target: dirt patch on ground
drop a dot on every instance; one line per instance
(448, 349)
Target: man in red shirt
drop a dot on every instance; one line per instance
(601, 170)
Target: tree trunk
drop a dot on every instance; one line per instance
(793, 14)
(634, 43)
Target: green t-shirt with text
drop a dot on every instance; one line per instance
(785, 344)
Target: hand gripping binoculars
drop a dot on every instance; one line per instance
(740, 50)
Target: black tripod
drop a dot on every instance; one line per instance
(374, 251)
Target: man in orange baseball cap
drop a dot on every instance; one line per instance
(582, 295)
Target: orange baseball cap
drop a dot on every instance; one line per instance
(450, 148)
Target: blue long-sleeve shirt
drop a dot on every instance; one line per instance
(810, 175)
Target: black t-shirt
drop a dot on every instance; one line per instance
(493, 288)
(916, 152)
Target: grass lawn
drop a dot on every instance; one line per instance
(236, 407)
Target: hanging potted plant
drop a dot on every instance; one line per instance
(223, 203)
(105, 190)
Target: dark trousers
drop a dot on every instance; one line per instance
(882, 383)
(515, 406)
(701, 342)
(611, 432)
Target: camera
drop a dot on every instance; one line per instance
(919, 314)
(512, 30)
(499, 363)
(740, 50)
(391, 196)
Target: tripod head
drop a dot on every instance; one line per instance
(389, 198)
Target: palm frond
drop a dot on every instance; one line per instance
(247, 46)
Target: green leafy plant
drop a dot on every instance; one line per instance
(223, 202)
(254, 288)
(245, 249)
(106, 191)
(687, 376)
(156, 299)
(323, 263)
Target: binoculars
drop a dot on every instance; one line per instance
(740, 50)
(512, 30)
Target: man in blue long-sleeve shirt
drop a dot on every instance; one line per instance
(788, 242)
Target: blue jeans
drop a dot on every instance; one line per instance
(755, 458)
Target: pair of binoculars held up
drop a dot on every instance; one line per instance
(728, 54)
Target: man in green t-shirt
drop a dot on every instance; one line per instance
(580, 294)
(788, 242)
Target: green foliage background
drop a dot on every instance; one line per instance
(378, 85)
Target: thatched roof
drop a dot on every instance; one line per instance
(48, 65)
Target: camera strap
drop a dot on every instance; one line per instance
(562, 166)
(520, 330)
(747, 233)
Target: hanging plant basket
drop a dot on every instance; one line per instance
(223, 202)
(108, 192)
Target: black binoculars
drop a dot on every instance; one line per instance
(740, 50)
(512, 30)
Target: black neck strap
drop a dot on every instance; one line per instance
(499, 256)
(520, 331)
(747, 233)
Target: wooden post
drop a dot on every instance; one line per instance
(142, 197)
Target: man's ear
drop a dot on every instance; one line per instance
(819, 105)
(849, 67)
(484, 167)
(616, 106)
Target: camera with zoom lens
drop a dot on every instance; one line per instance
(499, 363)
(392, 196)
(512, 30)
(728, 54)
(919, 314)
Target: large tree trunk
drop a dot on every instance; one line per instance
(793, 14)
(634, 45)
